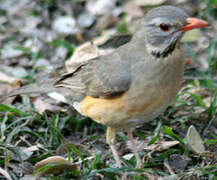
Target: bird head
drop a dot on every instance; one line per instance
(164, 27)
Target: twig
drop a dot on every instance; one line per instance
(5, 174)
(169, 168)
(209, 125)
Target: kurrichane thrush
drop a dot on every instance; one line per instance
(133, 84)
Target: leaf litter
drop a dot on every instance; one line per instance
(34, 42)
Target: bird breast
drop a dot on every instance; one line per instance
(154, 85)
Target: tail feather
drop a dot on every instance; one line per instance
(47, 88)
(38, 88)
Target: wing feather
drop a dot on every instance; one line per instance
(101, 77)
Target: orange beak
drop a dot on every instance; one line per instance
(193, 23)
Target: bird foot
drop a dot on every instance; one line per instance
(139, 165)
(124, 176)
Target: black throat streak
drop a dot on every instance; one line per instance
(169, 50)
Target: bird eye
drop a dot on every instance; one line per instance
(164, 27)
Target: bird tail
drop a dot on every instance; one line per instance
(37, 88)
(62, 94)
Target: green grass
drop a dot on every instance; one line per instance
(82, 142)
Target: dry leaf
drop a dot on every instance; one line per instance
(148, 2)
(7, 84)
(60, 164)
(105, 22)
(7, 79)
(132, 10)
(105, 36)
(28, 151)
(41, 106)
(194, 140)
(83, 53)
(161, 145)
(25, 153)
(8, 51)
(128, 156)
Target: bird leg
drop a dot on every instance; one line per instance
(110, 139)
(134, 148)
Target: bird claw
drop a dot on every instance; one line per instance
(139, 165)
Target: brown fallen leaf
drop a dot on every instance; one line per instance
(105, 22)
(132, 10)
(161, 145)
(41, 106)
(105, 36)
(83, 53)
(7, 84)
(57, 163)
(188, 62)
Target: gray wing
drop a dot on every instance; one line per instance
(102, 77)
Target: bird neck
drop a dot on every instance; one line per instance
(157, 51)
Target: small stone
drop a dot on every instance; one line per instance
(99, 7)
(19, 72)
(65, 25)
(178, 162)
(86, 19)
(9, 51)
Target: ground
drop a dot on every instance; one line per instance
(42, 137)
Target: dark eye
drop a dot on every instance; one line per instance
(164, 27)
